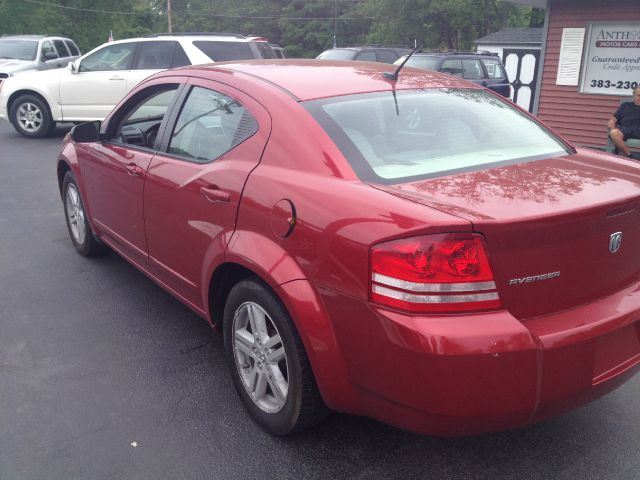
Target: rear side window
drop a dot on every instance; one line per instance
(221, 51)
(72, 48)
(155, 55)
(209, 125)
(494, 68)
(420, 134)
(180, 58)
(61, 47)
(265, 50)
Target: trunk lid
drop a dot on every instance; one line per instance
(549, 226)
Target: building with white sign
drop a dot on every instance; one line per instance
(590, 62)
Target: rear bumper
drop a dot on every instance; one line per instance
(470, 374)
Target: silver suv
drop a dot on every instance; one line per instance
(19, 53)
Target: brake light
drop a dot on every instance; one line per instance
(443, 273)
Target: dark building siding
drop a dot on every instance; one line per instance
(580, 118)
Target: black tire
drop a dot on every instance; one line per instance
(74, 213)
(303, 406)
(31, 117)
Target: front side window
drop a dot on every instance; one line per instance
(210, 124)
(452, 67)
(48, 52)
(336, 54)
(429, 133)
(494, 68)
(386, 56)
(366, 56)
(18, 49)
(219, 51)
(139, 121)
(427, 63)
(111, 57)
(472, 70)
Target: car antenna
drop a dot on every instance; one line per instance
(394, 76)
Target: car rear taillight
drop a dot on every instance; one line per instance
(443, 273)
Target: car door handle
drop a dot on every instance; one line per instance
(134, 170)
(116, 78)
(214, 194)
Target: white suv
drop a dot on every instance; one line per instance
(92, 85)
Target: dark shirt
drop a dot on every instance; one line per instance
(628, 115)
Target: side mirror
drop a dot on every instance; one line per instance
(72, 67)
(49, 55)
(86, 132)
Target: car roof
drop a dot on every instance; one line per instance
(455, 54)
(369, 47)
(223, 36)
(313, 79)
(31, 37)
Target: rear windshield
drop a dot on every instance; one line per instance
(221, 51)
(18, 49)
(336, 55)
(420, 134)
(426, 63)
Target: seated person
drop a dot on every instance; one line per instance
(625, 124)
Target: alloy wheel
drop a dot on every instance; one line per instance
(260, 357)
(75, 214)
(29, 117)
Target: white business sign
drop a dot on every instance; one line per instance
(612, 60)
(570, 56)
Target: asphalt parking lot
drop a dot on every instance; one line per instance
(103, 375)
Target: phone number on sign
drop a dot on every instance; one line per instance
(609, 84)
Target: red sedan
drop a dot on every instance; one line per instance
(417, 250)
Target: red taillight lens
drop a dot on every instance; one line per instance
(444, 273)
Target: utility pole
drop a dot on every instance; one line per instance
(169, 16)
(335, 21)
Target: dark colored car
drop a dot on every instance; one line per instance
(365, 54)
(419, 251)
(483, 68)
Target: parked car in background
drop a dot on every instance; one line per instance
(21, 53)
(277, 50)
(365, 53)
(483, 68)
(96, 82)
(415, 250)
